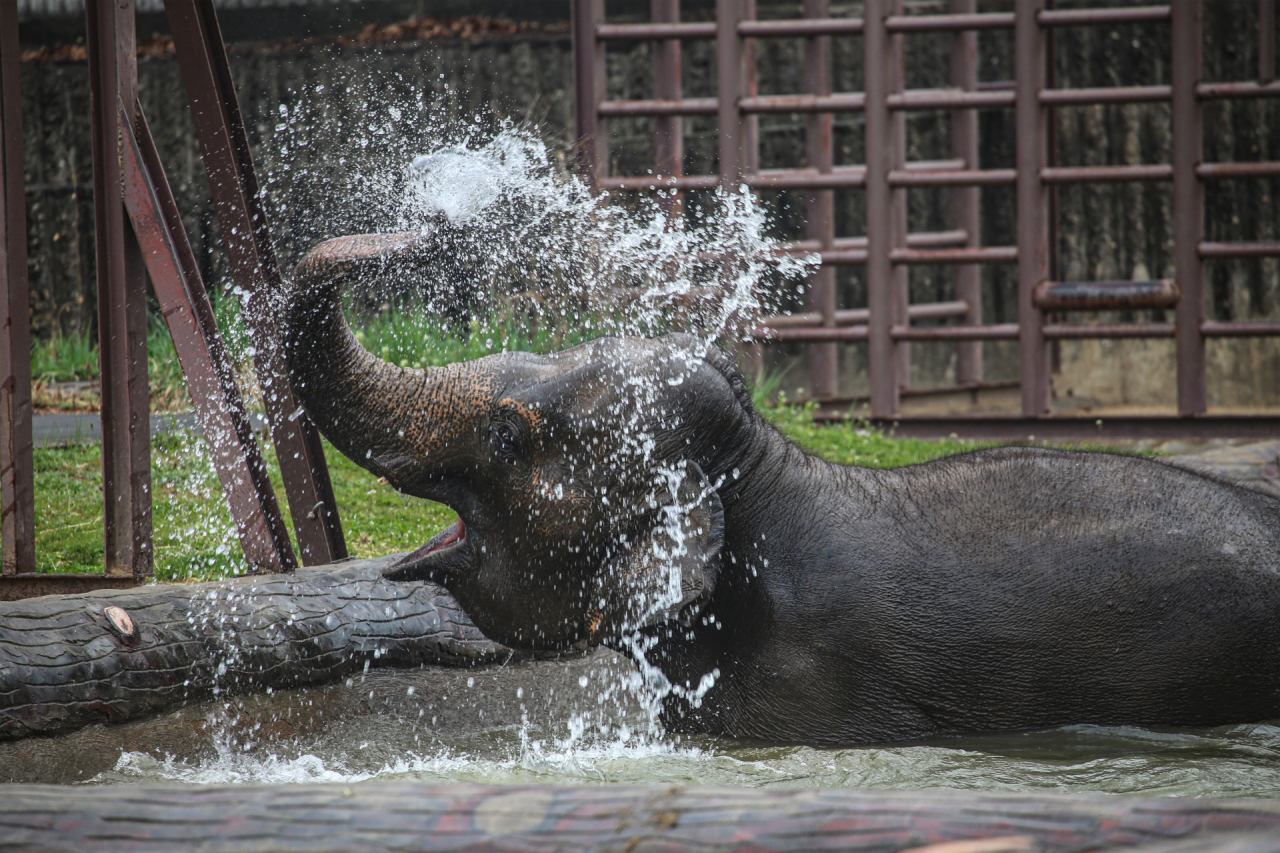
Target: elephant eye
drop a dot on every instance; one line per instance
(504, 441)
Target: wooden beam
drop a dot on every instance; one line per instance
(411, 815)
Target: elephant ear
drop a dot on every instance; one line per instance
(671, 571)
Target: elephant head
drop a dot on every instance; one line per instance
(585, 481)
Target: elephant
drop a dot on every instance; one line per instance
(626, 492)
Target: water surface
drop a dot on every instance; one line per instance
(580, 722)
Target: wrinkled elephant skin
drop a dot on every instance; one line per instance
(625, 491)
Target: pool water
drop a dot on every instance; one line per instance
(580, 722)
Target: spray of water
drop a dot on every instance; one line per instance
(517, 226)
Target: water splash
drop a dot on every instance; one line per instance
(516, 225)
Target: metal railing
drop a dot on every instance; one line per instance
(887, 249)
(140, 236)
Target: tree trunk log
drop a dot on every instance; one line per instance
(64, 664)
(406, 815)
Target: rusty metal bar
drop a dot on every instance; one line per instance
(592, 135)
(962, 255)
(1031, 122)
(951, 165)
(950, 99)
(898, 196)
(1188, 207)
(845, 177)
(1220, 171)
(122, 300)
(1106, 295)
(1078, 17)
(996, 332)
(965, 200)
(844, 257)
(731, 79)
(1061, 331)
(1266, 41)
(659, 107)
(1001, 428)
(952, 178)
(860, 316)
(1239, 250)
(209, 373)
(1105, 95)
(845, 102)
(878, 57)
(803, 27)
(918, 240)
(820, 335)
(643, 32)
(246, 235)
(1215, 91)
(1102, 174)
(31, 584)
(668, 131)
(659, 182)
(820, 204)
(1240, 328)
(750, 89)
(968, 21)
(17, 466)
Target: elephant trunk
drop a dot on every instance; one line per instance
(362, 404)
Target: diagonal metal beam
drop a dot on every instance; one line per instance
(215, 396)
(245, 233)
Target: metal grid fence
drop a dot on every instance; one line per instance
(888, 249)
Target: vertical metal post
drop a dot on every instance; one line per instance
(750, 89)
(1033, 221)
(589, 81)
(878, 57)
(1188, 207)
(820, 208)
(731, 74)
(122, 298)
(668, 137)
(897, 144)
(964, 200)
(247, 237)
(17, 486)
(1266, 41)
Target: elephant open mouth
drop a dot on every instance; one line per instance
(447, 552)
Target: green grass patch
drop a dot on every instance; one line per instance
(194, 535)
(855, 443)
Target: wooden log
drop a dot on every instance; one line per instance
(70, 660)
(408, 815)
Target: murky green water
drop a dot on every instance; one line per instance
(576, 722)
(1237, 761)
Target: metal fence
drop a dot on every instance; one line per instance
(888, 249)
(139, 237)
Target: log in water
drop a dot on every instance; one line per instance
(406, 815)
(70, 660)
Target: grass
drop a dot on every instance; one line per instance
(194, 536)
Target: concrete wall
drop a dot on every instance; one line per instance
(350, 113)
